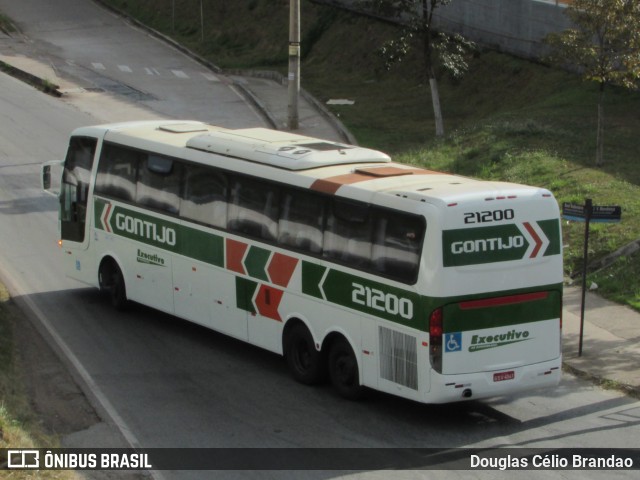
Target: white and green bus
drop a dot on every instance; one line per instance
(367, 272)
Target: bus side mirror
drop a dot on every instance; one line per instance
(45, 177)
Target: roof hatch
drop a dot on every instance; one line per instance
(283, 149)
(184, 127)
(380, 172)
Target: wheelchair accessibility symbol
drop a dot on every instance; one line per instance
(453, 342)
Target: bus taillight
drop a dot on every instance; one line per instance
(435, 339)
(435, 326)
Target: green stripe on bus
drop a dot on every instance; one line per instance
(98, 209)
(457, 319)
(361, 294)
(256, 263)
(373, 298)
(551, 229)
(354, 292)
(311, 277)
(202, 246)
(160, 233)
(245, 291)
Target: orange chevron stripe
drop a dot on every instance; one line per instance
(536, 239)
(268, 301)
(235, 253)
(280, 269)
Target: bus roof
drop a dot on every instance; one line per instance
(328, 166)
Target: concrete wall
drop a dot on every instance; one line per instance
(512, 26)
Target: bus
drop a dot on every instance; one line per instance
(359, 270)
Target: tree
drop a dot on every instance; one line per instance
(604, 47)
(416, 17)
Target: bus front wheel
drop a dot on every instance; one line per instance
(343, 370)
(112, 282)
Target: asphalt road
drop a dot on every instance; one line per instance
(101, 51)
(161, 382)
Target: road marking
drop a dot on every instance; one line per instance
(211, 77)
(125, 68)
(180, 74)
(98, 66)
(151, 71)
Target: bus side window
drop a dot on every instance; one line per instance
(158, 186)
(397, 245)
(253, 209)
(301, 221)
(347, 236)
(204, 198)
(117, 172)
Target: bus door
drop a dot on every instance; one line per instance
(73, 210)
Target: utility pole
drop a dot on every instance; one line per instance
(201, 22)
(588, 212)
(294, 62)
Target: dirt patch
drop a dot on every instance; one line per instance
(57, 407)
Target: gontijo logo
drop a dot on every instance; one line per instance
(501, 243)
(145, 229)
(487, 245)
(140, 226)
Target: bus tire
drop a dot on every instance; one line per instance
(303, 359)
(343, 370)
(112, 283)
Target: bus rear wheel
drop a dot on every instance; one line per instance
(303, 359)
(112, 283)
(343, 370)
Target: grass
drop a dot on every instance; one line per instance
(507, 119)
(616, 282)
(6, 25)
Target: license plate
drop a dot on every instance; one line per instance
(502, 376)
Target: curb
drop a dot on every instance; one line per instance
(37, 82)
(330, 117)
(260, 106)
(602, 382)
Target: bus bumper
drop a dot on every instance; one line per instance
(474, 386)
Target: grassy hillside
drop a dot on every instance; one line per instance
(507, 119)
